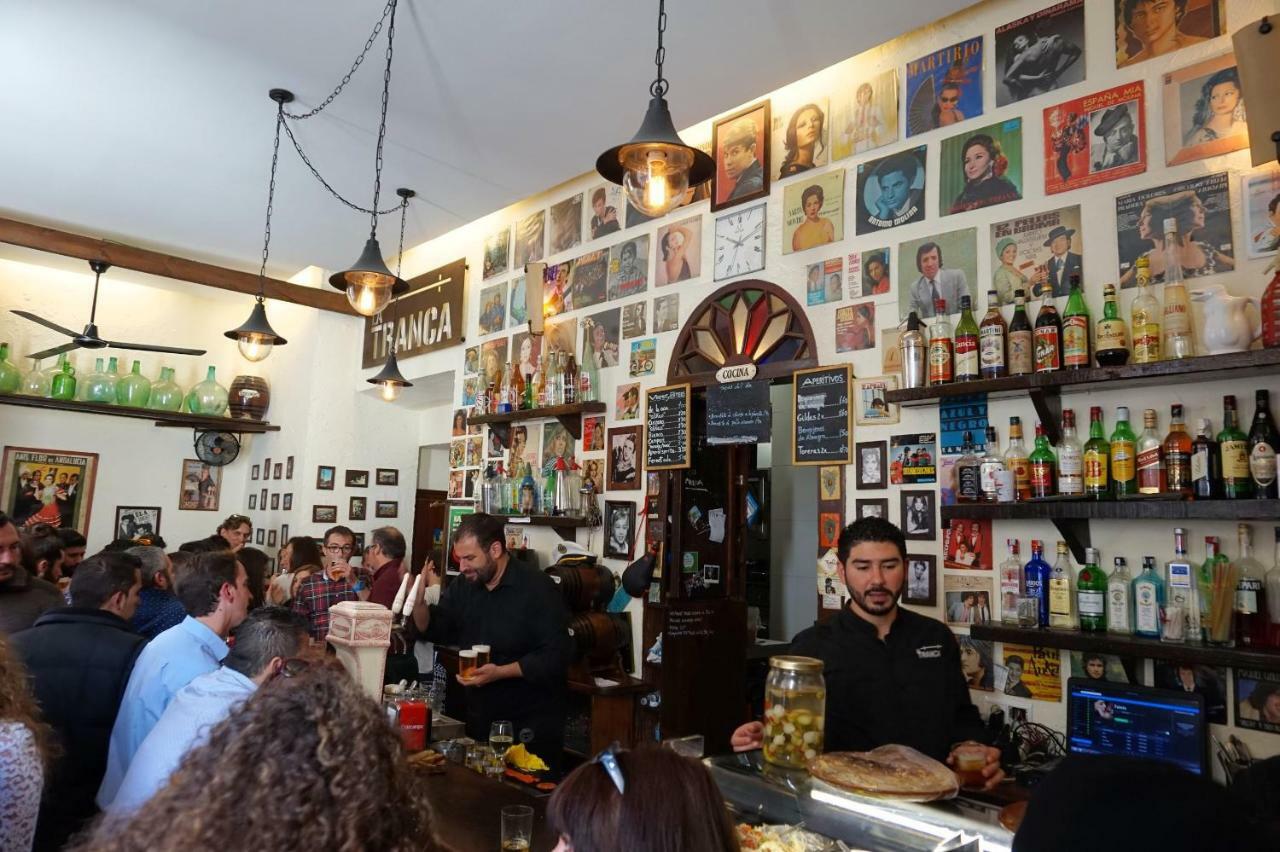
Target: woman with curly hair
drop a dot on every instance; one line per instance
(984, 166)
(307, 763)
(25, 751)
(804, 141)
(1219, 110)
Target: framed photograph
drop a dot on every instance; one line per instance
(386, 508)
(1260, 198)
(981, 168)
(831, 482)
(357, 508)
(918, 511)
(968, 545)
(253, 501)
(259, 536)
(872, 464)
(288, 468)
(1204, 113)
(387, 476)
(913, 458)
(813, 212)
(356, 479)
(275, 501)
(256, 472)
(865, 117)
(967, 599)
(278, 471)
(625, 458)
(200, 487)
(1257, 700)
(593, 433)
(874, 507)
(922, 580)
(266, 469)
(945, 87)
(271, 538)
(262, 500)
(357, 545)
(134, 521)
(284, 534)
(1040, 52)
(740, 146)
(287, 503)
(891, 191)
(948, 260)
(324, 477)
(679, 252)
(871, 408)
(324, 514)
(456, 483)
(496, 247)
(1037, 253)
(1143, 33)
(620, 517)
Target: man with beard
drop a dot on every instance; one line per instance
(519, 613)
(893, 675)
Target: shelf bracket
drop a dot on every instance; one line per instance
(1075, 532)
(502, 431)
(1048, 405)
(573, 424)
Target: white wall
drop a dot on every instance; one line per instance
(794, 517)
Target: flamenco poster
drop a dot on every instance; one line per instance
(52, 487)
(944, 87)
(1096, 138)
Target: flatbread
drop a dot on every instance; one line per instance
(890, 771)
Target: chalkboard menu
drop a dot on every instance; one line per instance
(667, 413)
(739, 413)
(823, 426)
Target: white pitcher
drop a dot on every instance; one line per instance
(1227, 328)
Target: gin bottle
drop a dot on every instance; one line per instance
(1148, 600)
(1062, 604)
(1181, 591)
(1091, 593)
(1119, 619)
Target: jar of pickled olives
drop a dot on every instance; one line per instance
(795, 708)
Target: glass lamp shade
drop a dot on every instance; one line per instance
(656, 168)
(389, 379)
(256, 337)
(369, 284)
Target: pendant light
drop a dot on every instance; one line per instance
(656, 168)
(256, 338)
(389, 378)
(369, 284)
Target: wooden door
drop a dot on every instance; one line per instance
(428, 525)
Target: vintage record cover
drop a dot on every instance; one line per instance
(944, 87)
(1040, 52)
(1202, 207)
(1095, 138)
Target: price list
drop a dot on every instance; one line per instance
(821, 412)
(667, 427)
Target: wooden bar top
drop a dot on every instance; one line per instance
(467, 809)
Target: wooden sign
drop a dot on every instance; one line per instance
(739, 413)
(820, 410)
(427, 317)
(667, 416)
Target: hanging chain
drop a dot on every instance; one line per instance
(271, 197)
(354, 67)
(658, 88)
(404, 212)
(382, 124)
(305, 159)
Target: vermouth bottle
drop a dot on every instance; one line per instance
(1251, 594)
(992, 353)
(1021, 342)
(1075, 329)
(1048, 337)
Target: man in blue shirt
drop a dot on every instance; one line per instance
(158, 607)
(215, 593)
(269, 638)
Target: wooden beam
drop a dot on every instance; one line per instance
(167, 266)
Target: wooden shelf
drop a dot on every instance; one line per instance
(1128, 646)
(570, 416)
(566, 526)
(171, 419)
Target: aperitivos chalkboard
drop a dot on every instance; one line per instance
(739, 412)
(823, 431)
(667, 416)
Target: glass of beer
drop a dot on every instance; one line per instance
(466, 664)
(482, 654)
(517, 828)
(971, 759)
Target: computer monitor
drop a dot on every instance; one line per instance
(1137, 721)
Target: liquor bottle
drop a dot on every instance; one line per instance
(1119, 618)
(1011, 583)
(1043, 466)
(1216, 613)
(1070, 458)
(1144, 317)
(1263, 442)
(518, 395)
(1124, 472)
(1035, 579)
(1021, 339)
(1251, 594)
(968, 474)
(990, 468)
(992, 351)
(1148, 600)
(1233, 447)
(540, 381)
(1181, 591)
(1016, 460)
(505, 392)
(559, 362)
(589, 376)
(966, 344)
(1177, 343)
(1048, 337)
(1206, 464)
(571, 380)
(1273, 598)
(1177, 454)
(1075, 329)
(1112, 337)
(1150, 454)
(1062, 603)
(1091, 593)
(941, 346)
(1097, 458)
(491, 498)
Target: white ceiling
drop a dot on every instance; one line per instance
(148, 120)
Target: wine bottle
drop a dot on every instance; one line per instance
(1263, 442)
(1021, 344)
(1112, 337)
(1177, 454)
(1206, 464)
(1048, 337)
(941, 346)
(992, 353)
(1075, 329)
(1233, 446)
(1144, 312)
(966, 344)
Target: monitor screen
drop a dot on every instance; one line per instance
(1137, 721)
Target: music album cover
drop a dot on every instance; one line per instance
(1147, 29)
(856, 327)
(1261, 203)
(891, 191)
(1040, 52)
(822, 282)
(1204, 113)
(944, 87)
(941, 266)
(801, 136)
(981, 168)
(1037, 254)
(813, 211)
(1095, 138)
(629, 267)
(1202, 207)
(865, 116)
(913, 458)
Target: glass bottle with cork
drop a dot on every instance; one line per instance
(1091, 594)
(1150, 456)
(1124, 451)
(1263, 442)
(941, 346)
(1097, 458)
(1070, 458)
(1062, 603)
(1075, 329)
(1251, 593)
(1144, 316)
(1016, 460)
(1177, 454)
(1021, 339)
(1112, 336)
(1233, 447)
(1048, 337)
(1044, 466)
(992, 350)
(1177, 342)
(966, 344)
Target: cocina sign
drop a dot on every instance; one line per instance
(736, 373)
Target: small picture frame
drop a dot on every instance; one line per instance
(921, 587)
(831, 483)
(275, 501)
(357, 508)
(918, 515)
(132, 522)
(287, 503)
(271, 538)
(324, 514)
(357, 546)
(872, 463)
(259, 536)
(387, 476)
(625, 447)
(740, 147)
(257, 472)
(288, 468)
(325, 475)
(253, 501)
(266, 468)
(262, 500)
(871, 408)
(284, 534)
(620, 528)
(386, 508)
(278, 471)
(356, 479)
(873, 507)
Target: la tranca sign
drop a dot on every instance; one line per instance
(428, 317)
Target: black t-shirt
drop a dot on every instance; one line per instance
(907, 689)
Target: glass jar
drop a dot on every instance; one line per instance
(165, 394)
(134, 389)
(38, 382)
(63, 385)
(795, 709)
(208, 398)
(96, 387)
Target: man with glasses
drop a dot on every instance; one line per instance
(335, 584)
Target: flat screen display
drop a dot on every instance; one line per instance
(1136, 721)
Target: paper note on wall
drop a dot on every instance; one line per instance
(716, 519)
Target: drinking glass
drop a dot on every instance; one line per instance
(971, 758)
(466, 664)
(501, 737)
(517, 828)
(482, 654)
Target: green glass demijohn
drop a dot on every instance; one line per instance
(208, 397)
(10, 375)
(36, 382)
(134, 389)
(96, 387)
(112, 377)
(63, 385)
(165, 394)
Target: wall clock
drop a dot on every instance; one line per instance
(739, 243)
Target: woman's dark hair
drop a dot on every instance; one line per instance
(304, 552)
(588, 809)
(981, 140)
(1203, 111)
(17, 704)
(816, 189)
(199, 586)
(255, 566)
(789, 139)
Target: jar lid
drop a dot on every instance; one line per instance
(796, 664)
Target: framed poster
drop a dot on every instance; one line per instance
(386, 508)
(922, 580)
(356, 508)
(48, 487)
(624, 457)
(740, 146)
(1204, 112)
(134, 521)
(325, 477)
(620, 530)
(356, 479)
(324, 514)
(388, 476)
(200, 487)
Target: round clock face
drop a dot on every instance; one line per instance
(740, 243)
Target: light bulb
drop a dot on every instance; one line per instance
(655, 176)
(254, 347)
(656, 192)
(390, 392)
(368, 299)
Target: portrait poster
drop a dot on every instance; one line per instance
(1257, 700)
(530, 242)
(1030, 672)
(869, 273)
(1095, 138)
(922, 580)
(593, 470)
(644, 356)
(872, 408)
(458, 453)
(629, 267)
(557, 443)
(1145, 30)
(620, 532)
(493, 308)
(493, 356)
(557, 292)
(633, 320)
(566, 224)
(526, 352)
(1202, 206)
(456, 480)
(822, 282)
(627, 401)
(52, 487)
(981, 169)
(1260, 198)
(740, 146)
(813, 212)
(865, 116)
(625, 458)
(561, 335)
(593, 434)
(856, 327)
(471, 361)
(950, 260)
(912, 458)
(799, 136)
(200, 487)
(1104, 667)
(496, 247)
(944, 87)
(966, 599)
(1209, 681)
(519, 305)
(470, 387)
(918, 511)
(604, 210)
(602, 329)
(1036, 254)
(1040, 52)
(474, 451)
(1204, 111)
(666, 313)
(525, 445)
(678, 252)
(871, 459)
(589, 280)
(977, 662)
(967, 545)
(891, 191)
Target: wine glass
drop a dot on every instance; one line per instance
(501, 737)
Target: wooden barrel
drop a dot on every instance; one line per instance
(598, 636)
(249, 398)
(584, 586)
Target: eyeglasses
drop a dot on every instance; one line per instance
(608, 759)
(339, 548)
(294, 666)
(949, 100)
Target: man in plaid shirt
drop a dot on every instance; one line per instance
(332, 585)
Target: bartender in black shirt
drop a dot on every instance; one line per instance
(893, 676)
(519, 613)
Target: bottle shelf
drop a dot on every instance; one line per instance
(171, 419)
(570, 416)
(566, 526)
(1128, 646)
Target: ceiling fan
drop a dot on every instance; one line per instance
(89, 339)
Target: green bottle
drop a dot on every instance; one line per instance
(96, 387)
(1091, 593)
(1097, 458)
(134, 389)
(1124, 455)
(966, 344)
(208, 397)
(1075, 329)
(1233, 446)
(10, 375)
(165, 394)
(63, 385)
(1044, 466)
(37, 382)
(112, 378)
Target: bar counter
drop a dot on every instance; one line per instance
(467, 808)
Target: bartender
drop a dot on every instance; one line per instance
(519, 613)
(893, 676)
